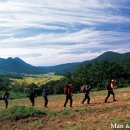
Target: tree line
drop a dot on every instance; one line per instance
(96, 74)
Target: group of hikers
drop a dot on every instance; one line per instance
(86, 89)
(68, 92)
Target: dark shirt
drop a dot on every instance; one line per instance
(32, 96)
(87, 89)
(45, 93)
(6, 96)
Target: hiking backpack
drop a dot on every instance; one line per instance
(65, 90)
(108, 86)
(83, 88)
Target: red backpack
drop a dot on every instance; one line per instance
(67, 90)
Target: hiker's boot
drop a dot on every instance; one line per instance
(114, 100)
(105, 101)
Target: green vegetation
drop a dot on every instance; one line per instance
(96, 72)
(20, 112)
(22, 85)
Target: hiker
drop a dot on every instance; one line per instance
(32, 98)
(6, 98)
(45, 95)
(110, 85)
(86, 89)
(68, 92)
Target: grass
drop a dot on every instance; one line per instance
(97, 115)
(20, 112)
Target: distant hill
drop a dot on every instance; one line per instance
(63, 68)
(16, 65)
(113, 57)
(107, 56)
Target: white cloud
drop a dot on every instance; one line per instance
(62, 31)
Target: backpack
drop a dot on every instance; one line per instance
(65, 90)
(82, 88)
(108, 86)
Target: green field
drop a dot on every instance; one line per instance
(37, 79)
(96, 116)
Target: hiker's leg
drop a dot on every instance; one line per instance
(32, 102)
(46, 101)
(6, 104)
(84, 99)
(71, 101)
(66, 101)
(107, 96)
(88, 98)
(113, 95)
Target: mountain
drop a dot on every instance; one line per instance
(63, 68)
(16, 65)
(113, 57)
(107, 56)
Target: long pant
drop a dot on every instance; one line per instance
(46, 101)
(86, 97)
(109, 93)
(6, 103)
(33, 102)
(68, 97)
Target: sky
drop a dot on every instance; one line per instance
(51, 32)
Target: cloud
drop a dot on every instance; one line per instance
(52, 32)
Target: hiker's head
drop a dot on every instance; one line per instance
(113, 81)
(6, 91)
(67, 85)
(70, 83)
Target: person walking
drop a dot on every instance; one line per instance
(86, 89)
(6, 99)
(45, 96)
(32, 98)
(110, 86)
(68, 92)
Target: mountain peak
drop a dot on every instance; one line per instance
(9, 58)
(18, 59)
